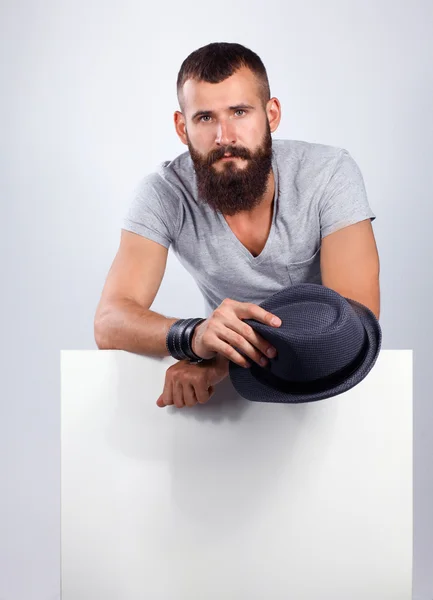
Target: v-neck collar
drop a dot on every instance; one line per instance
(255, 260)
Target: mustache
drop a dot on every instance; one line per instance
(234, 151)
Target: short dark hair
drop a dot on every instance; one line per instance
(217, 61)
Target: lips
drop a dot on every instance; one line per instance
(227, 157)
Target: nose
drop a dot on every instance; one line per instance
(226, 134)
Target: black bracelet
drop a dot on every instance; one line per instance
(173, 341)
(179, 339)
(187, 336)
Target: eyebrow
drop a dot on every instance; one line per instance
(201, 113)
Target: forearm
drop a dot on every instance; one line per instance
(125, 325)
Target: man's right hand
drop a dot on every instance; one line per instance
(224, 331)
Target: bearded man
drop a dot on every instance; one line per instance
(246, 215)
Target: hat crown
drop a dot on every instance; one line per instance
(320, 333)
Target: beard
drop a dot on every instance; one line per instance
(233, 189)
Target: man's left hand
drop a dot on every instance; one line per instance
(187, 384)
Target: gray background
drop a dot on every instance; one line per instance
(87, 102)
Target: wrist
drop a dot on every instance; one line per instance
(222, 365)
(194, 341)
(197, 346)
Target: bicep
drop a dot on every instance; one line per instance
(136, 272)
(349, 264)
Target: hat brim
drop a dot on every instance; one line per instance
(250, 388)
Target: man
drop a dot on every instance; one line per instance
(246, 215)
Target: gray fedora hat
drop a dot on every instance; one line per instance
(325, 346)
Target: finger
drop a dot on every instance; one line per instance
(231, 353)
(189, 395)
(241, 336)
(203, 393)
(248, 310)
(166, 398)
(242, 345)
(264, 347)
(178, 394)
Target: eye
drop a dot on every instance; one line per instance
(241, 110)
(205, 117)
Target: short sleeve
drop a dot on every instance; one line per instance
(344, 201)
(153, 211)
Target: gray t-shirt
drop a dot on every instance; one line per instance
(318, 190)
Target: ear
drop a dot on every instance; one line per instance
(273, 111)
(180, 126)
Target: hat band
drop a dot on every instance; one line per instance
(314, 385)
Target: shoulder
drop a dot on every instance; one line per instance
(314, 166)
(177, 175)
(307, 156)
(168, 177)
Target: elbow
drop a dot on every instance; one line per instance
(98, 334)
(101, 332)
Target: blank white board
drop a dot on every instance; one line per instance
(233, 500)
